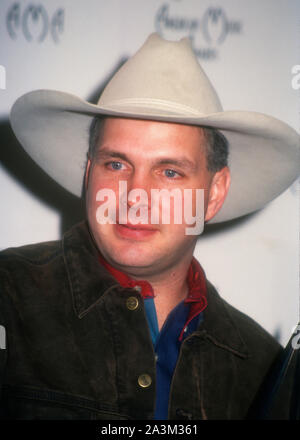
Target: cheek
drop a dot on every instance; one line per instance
(205, 185)
(99, 182)
(206, 199)
(98, 185)
(195, 200)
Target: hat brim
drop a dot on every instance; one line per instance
(264, 158)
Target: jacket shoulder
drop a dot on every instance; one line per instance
(36, 254)
(250, 330)
(26, 273)
(238, 330)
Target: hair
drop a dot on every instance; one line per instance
(217, 147)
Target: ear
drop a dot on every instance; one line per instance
(218, 192)
(87, 173)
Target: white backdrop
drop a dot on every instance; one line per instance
(247, 48)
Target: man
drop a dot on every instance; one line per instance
(117, 321)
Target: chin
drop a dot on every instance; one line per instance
(132, 257)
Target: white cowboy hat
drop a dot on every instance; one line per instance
(163, 81)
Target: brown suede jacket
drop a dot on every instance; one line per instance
(75, 350)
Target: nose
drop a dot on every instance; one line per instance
(139, 184)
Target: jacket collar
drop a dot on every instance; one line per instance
(219, 324)
(89, 281)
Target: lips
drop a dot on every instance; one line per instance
(138, 232)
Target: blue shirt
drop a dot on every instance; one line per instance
(166, 346)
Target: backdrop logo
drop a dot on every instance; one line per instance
(206, 33)
(2, 78)
(34, 22)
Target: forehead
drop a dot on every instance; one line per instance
(152, 138)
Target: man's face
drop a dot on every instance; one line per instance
(147, 155)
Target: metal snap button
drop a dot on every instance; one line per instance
(137, 288)
(132, 303)
(144, 380)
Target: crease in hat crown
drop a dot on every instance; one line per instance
(162, 75)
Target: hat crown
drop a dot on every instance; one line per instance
(163, 75)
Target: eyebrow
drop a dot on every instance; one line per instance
(181, 162)
(103, 153)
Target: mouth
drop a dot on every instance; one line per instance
(137, 232)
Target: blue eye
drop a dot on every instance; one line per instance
(170, 173)
(116, 165)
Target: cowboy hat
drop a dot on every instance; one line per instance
(163, 81)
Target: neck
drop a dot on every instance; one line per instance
(168, 294)
(170, 288)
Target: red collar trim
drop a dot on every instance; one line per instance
(197, 295)
(126, 281)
